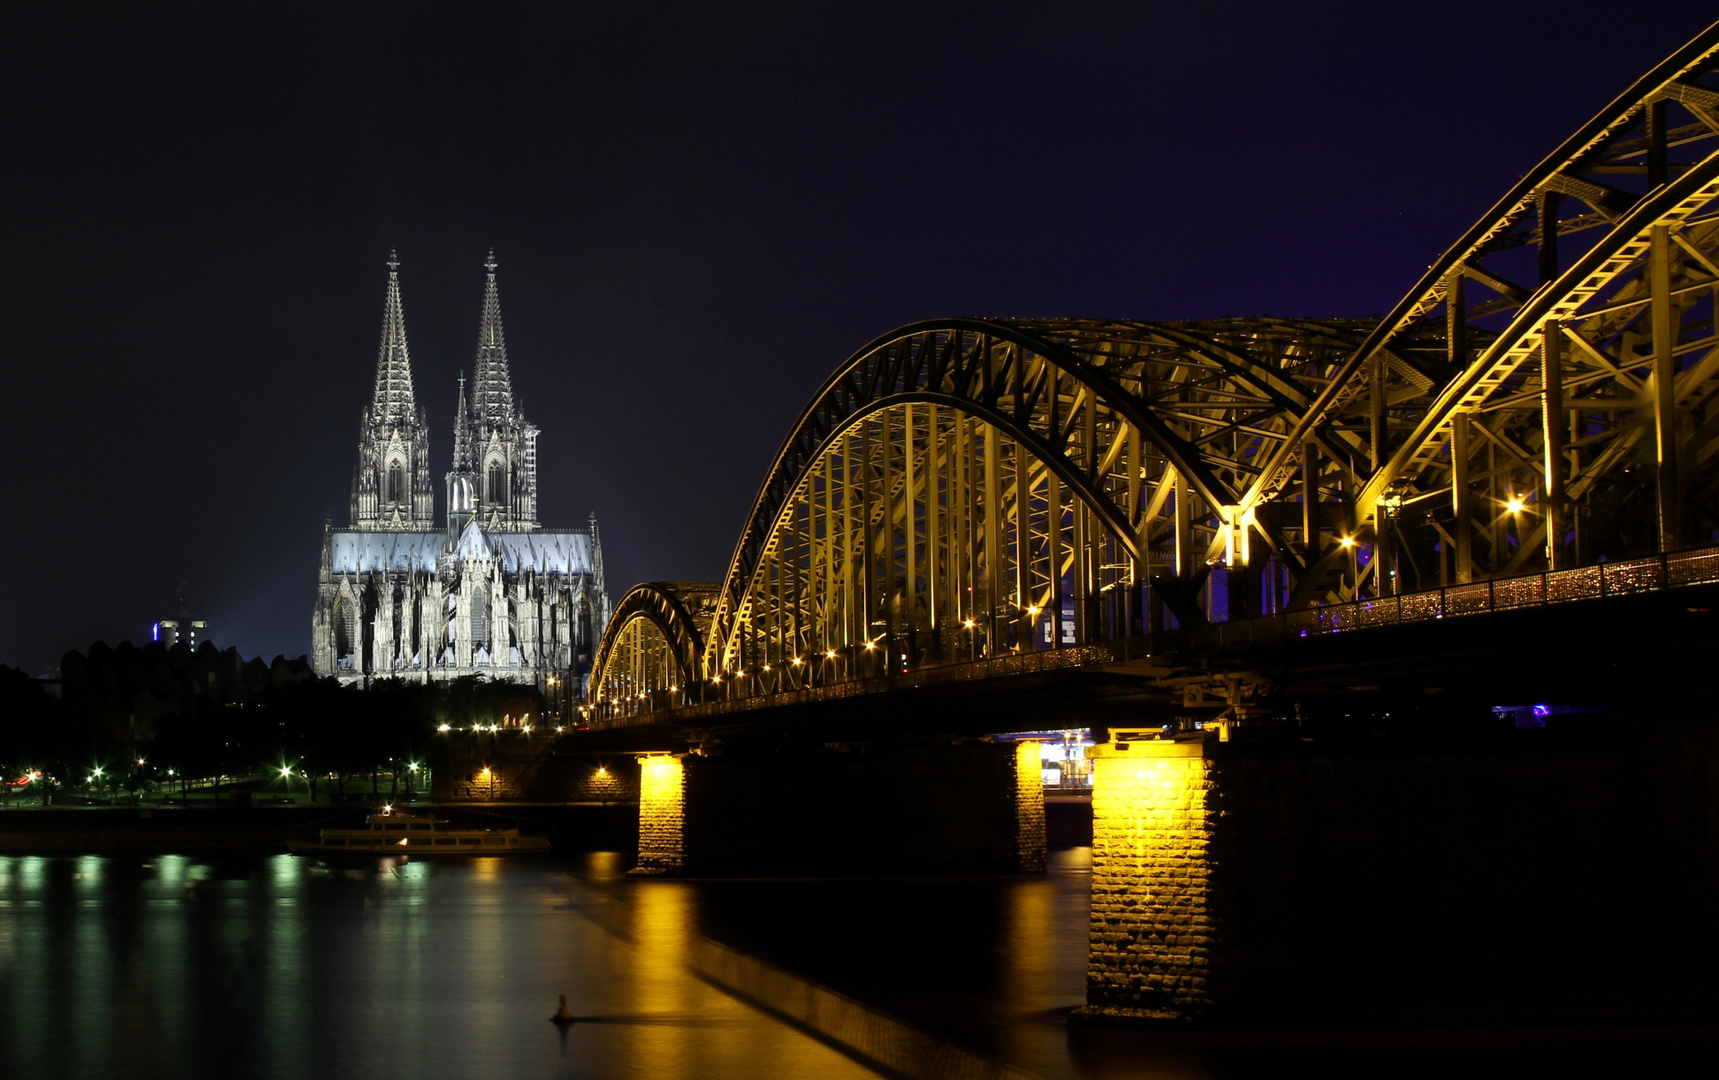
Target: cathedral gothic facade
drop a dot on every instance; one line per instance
(491, 593)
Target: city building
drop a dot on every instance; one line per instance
(491, 593)
(182, 627)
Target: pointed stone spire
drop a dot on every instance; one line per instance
(462, 431)
(393, 403)
(492, 384)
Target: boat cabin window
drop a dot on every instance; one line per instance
(444, 839)
(375, 828)
(420, 824)
(334, 842)
(401, 827)
(468, 840)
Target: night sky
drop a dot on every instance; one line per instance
(699, 211)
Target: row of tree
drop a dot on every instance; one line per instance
(148, 716)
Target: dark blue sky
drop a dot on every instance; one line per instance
(699, 212)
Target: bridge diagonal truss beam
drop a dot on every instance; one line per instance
(1546, 397)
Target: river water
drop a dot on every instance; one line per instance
(275, 966)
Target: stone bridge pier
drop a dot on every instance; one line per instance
(949, 807)
(1533, 877)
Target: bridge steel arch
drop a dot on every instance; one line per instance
(1571, 332)
(652, 649)
(1546, 396)
(959, 482)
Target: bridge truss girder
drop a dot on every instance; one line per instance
(1547, 395)
(958, 480)
(651, 653)
(1516, 456)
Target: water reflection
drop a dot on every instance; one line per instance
(267, 967)
(281, 967)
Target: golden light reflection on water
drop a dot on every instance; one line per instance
(659, 913)
(605, 866)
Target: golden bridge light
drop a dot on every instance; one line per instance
(1515, 504)
(1347, 541)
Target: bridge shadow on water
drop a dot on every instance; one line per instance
(977, 976)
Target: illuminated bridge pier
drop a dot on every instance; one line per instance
(1307, 556)
(975, 808)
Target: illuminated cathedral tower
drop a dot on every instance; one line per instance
(391, 486)
(494, 478)
(492, 594)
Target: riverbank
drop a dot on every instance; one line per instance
(266, 829)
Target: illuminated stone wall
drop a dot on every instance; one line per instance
(662, 815)
(1152, 930)
(474, 770)
(1406, 878)
(1029, 808)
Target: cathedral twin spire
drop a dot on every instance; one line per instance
(394, 363)
(492, 383)
(494, 477)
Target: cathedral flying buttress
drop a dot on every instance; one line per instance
(492, 593)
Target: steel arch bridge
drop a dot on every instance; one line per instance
(1545, 397)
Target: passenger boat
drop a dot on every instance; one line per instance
(395, 832)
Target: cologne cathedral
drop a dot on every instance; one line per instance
(491, 593)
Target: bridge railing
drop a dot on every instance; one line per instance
(988, 668)
(1651, 574)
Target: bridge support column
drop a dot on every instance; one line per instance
(771, 808)
(1029, 808)
(1273, 880)
(662, 815)
(1152, 930)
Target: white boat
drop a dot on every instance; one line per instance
(395, 832)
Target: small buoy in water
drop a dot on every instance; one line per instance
(562, 1016)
